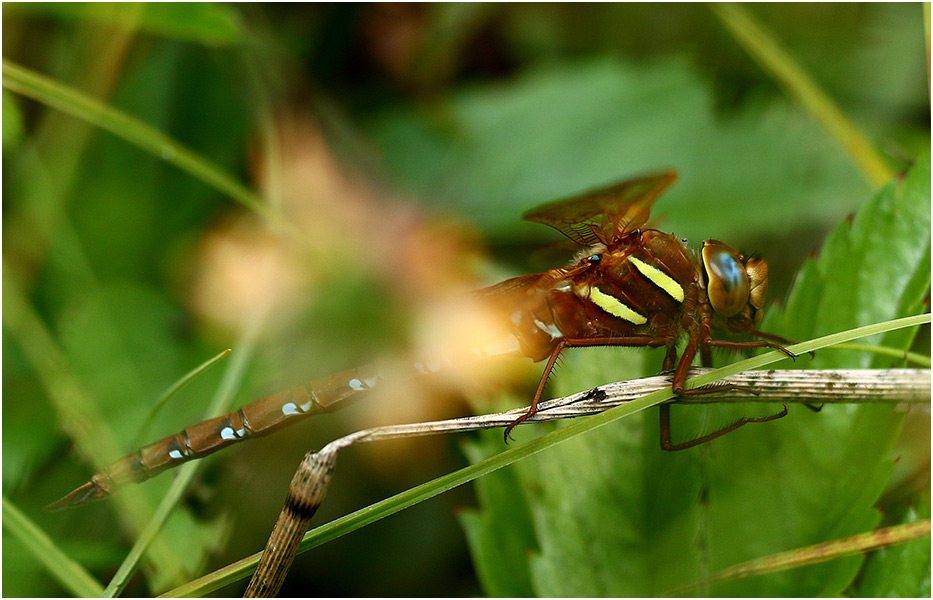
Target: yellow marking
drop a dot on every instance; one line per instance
(614, 307)
(659, 278)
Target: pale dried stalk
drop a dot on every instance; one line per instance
(309, 486)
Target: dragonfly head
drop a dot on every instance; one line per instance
(736, 285)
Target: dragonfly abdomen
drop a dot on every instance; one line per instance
(252, 420)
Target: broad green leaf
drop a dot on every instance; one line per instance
(497, 151)
(825, 471)
(879, 256)
(613, 515)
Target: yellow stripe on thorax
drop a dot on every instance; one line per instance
(659, 278)
(614, 307)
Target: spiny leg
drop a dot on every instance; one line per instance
(781, 342)
(633, 340)
(533, 408)
(778, 339)
(680, 378)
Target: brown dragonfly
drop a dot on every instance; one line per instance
(629, 287)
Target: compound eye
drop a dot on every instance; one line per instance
(727, 281)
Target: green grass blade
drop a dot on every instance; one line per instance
(390, 506)
(765, 50)
(232, 378)
(176, 387)
(911, 357)
(66, 571)
(68, 100)
(78, 413)
(833, 339)
(817, 553)
(199, 22)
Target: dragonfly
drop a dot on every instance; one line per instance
(629, 286)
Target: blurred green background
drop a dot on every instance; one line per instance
(358, 124)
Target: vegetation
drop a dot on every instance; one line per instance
(295, 182)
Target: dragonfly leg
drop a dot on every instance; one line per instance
(680, 378)
(632, 340)
(758, 344)
(534, 403)
(670, 358)
(778, 339)
(666, 443)
(706, 356)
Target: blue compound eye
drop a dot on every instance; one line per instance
(727, 281)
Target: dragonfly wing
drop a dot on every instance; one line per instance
(601, 215)
(511, 291)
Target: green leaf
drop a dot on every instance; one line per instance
(615, 516)
(204, 22)
(901, 571)
(503, 533)
(869, 270)
(496, 151)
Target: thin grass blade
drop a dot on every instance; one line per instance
(222, 399)
(68, 100)
(767, 52)
(817, 553)
(66, 571)
(177, 387)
